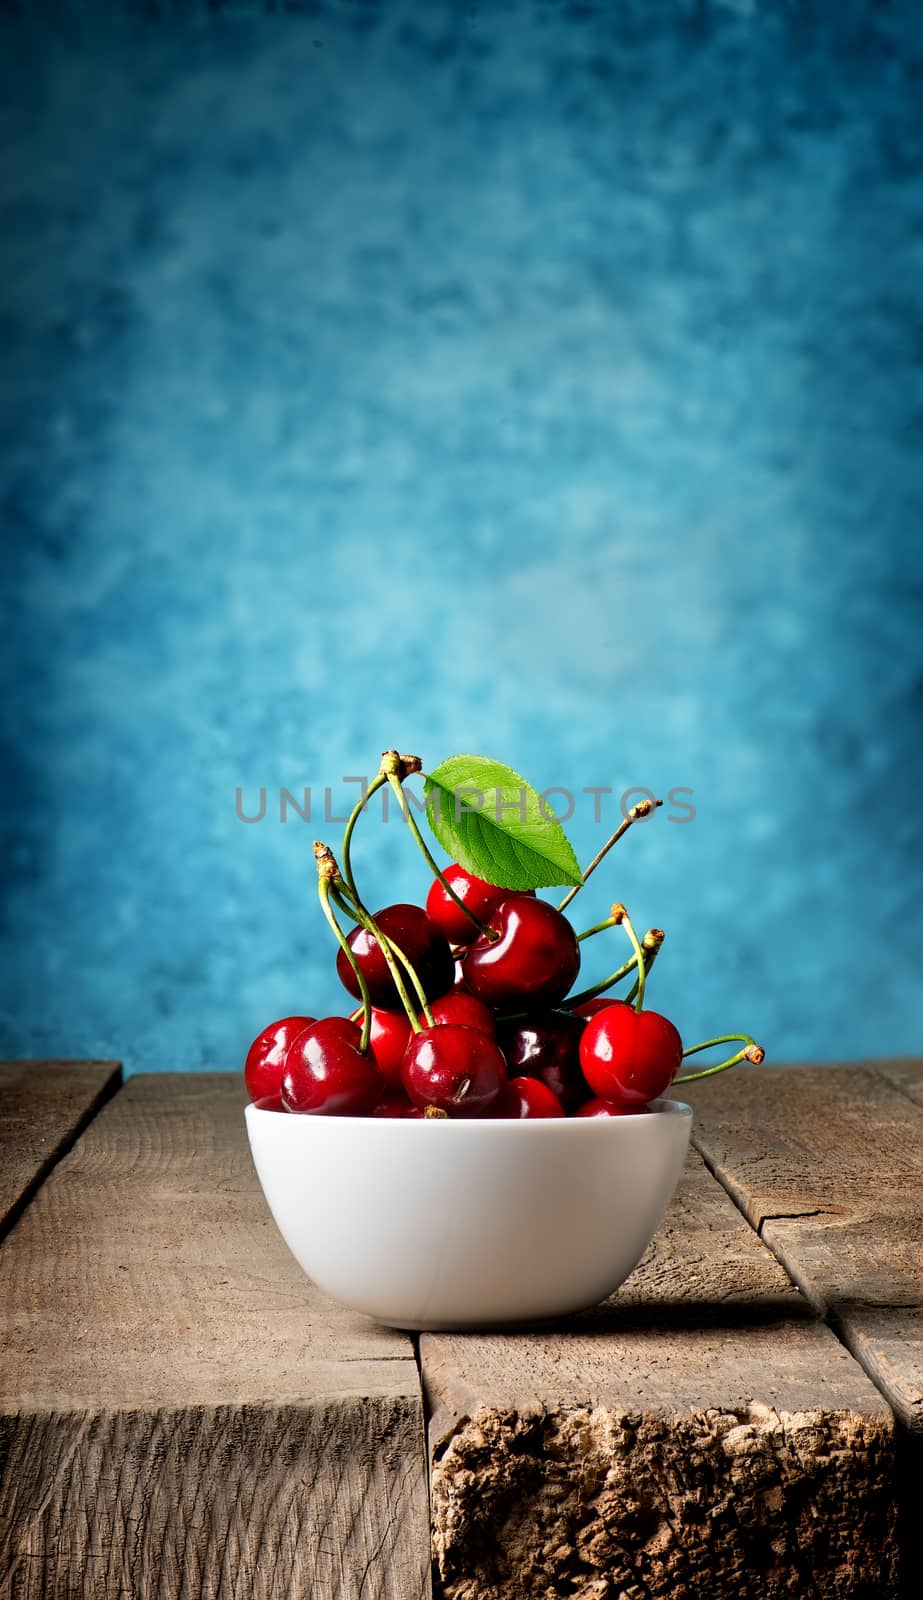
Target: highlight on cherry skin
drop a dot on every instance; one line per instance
(454, 1069)
(448, 916)
(530, 953)
(266, 1059)
(326, 1072)
(545, 1046)
(412, 932)
(630, 1057)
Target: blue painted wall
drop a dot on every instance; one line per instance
(536, 379)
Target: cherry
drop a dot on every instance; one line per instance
(590, 1008)
(607, 1108)
(461, 1006)
(458, 1069)
(395, 1104)
(269, 1102)
(331, 1027)
(424, 946)
(326, 1073)
(266, 1056)
(630, 1056)
(520, 1098)
(536, 957)
(388, 1039)
(479, 896)
(547, 1047)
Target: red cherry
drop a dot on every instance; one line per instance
(395, 1104)
(460, 1006)
(388, 1039)
(329, 1028)
(590, 1008)
(266, 1056)
(536, 957)
(326, 1073)
(458, 1069)
(479, 896)
(547, 1047)
(269, 1102)
(526, 1097)
(607, 1108)
(422, 943)
(630, 1056)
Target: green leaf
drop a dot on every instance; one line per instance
(500, 829)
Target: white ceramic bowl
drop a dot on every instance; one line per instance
(457, 1224)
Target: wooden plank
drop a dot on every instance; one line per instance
(905, 1074)
(44, 1105)
(827, 1165)
(181, 1413)
(701, 1435)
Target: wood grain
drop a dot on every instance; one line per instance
(827, 1165)
(905, 1074)
(181, 1413)
(702, 1436)
(43, 1107)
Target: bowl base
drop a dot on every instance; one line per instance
(486, 1324)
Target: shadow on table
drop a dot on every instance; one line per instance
(622, 1317)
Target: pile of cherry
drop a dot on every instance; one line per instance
(502, 1041)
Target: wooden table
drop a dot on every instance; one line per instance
(184, 1416)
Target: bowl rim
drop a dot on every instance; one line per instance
(663, 1107)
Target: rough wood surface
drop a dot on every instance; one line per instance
(827, 1165)
(182, 1415)
(905, 1074)
(703, 1436)
(43, 1106)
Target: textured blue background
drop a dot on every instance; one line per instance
(536, 379)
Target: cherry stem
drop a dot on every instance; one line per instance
(751, 1052)
(389, 950)
(411, 821)
(650, 944)
(412, 974)
(353, 818)
(600, 988)
(639, 957)
(402, 957)
(642, 809)
(599, 927)
(345, 886)
(324, 890)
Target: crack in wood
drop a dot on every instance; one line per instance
(791, 1216)
(45, 1106)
